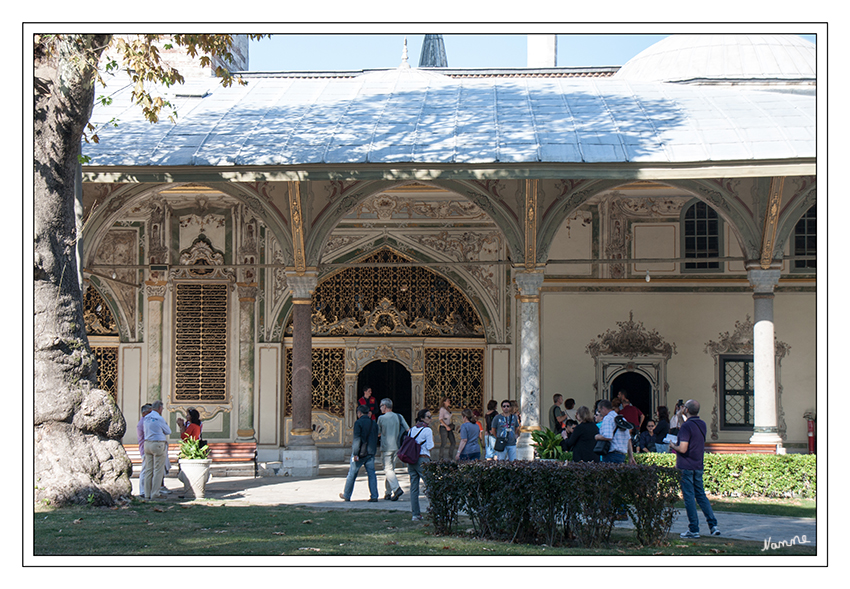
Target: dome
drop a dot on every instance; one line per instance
(717, 58)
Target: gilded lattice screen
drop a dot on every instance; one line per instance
(456, 373)
(107, 369)
(328, 380)
(200, 346)
(391, 301)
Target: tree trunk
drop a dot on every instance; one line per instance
(78, 427)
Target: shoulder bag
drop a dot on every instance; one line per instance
(409, 450)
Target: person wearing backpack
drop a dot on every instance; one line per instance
(422, 433)
(391, 427)
(505, 428)
(363, 449)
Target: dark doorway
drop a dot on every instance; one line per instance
(639, 390)
(389, 380)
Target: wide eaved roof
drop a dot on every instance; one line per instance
(413, 116)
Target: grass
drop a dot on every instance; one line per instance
(764, 506)
(216, 528)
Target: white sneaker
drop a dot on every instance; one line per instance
(715, 531)
(164, 491)
(689, 534)
(416, 518)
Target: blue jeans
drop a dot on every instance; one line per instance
(615, 457)
(473, 456)
(509, 453)
(415, 472)
(354, 468)
(693, 493)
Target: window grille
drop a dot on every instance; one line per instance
(806, 239)
(701, 233)
(738, 398)
(200, 342)
(328, 389)
(456, 373)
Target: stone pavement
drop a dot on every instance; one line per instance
(323, 492)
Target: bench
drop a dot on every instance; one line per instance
(730, 448)
(220, 452)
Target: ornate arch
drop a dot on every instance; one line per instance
(805, 195)
(487, 195)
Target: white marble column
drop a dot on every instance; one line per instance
(247, 297)
(155, 290)
(528, 309)
(765, 427)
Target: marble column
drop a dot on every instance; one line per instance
(301, 456)
(765, 427)
(529, 283)
(155, 291)
(245, 424)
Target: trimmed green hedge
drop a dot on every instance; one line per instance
(751, 475)
(550, 502)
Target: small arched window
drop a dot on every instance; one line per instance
(806, 240)
(701, 237)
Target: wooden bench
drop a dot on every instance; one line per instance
(220, 452)
(729, 448)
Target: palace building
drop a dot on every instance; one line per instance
(474, 234)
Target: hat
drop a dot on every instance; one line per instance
(623, 423)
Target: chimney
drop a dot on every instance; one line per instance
(542, 50)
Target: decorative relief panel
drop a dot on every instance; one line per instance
(632, 339)
(121, 247)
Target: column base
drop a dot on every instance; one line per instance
(524, 449)
(299, 461)
(766, 437)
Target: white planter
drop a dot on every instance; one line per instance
(194, 474)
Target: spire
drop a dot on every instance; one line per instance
(433, 52)
(404, 63)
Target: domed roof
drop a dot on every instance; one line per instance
(695, 58)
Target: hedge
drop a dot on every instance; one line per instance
(551, 502)
(751, 475)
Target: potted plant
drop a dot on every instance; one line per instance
(547, 445)
(194, 466)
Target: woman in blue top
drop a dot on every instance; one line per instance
(469, 432)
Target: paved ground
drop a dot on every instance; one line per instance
(323, 493)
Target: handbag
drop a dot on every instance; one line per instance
(602, 447)
(408, 452)
(501, 442)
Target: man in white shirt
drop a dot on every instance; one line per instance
(156, 450)
(390, 425)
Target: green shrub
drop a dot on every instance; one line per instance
(751, 475)
(551, 502)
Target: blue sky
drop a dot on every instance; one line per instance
(358, 51)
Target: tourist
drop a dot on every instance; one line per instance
(630, 412)
(390, 426)
(363, 449)
(447, 434)
(662, 428)
(689, 449)
(469, 433)
(583, 438)
(557, 417)
(646, 440)
(506, 426)
(156, 450)
(370, 402)
(489, 440)
(140, 435)
(621, 443)
(191, 427)
(423, 426)
(569, 409)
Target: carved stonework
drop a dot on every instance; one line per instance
(740, 341)
(631, 340)
(206, 262)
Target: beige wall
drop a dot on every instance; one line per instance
(570, 321)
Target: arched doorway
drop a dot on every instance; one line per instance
(389, 380)
(639, 390)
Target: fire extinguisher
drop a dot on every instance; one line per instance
(811, 433)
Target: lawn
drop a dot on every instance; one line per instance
(216, 528)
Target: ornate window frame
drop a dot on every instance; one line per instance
(801, 230)
(740, 343)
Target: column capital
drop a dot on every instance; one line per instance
(302, 284)
(763, 281)
(529, 282)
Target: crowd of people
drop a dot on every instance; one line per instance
(613, 432)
